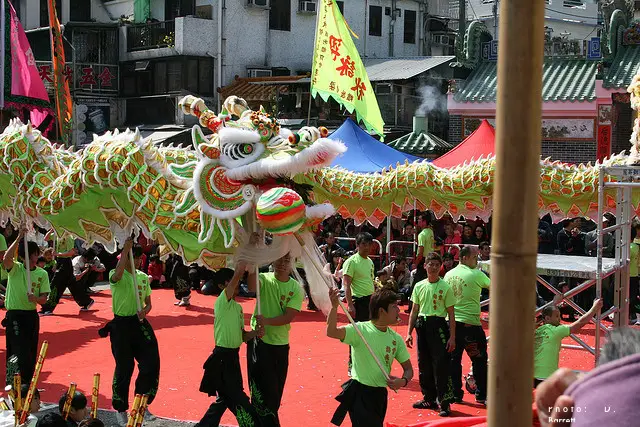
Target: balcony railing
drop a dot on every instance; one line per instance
(152, 35)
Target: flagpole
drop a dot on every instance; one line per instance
(315, 42)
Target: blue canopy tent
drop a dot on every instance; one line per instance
(365, 154)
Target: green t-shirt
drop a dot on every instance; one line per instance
(634, 255)
(3, 247)
(16, 298)
(121, 293)
(387, 346)
(426, 240)
(433, 298)
(467, 285)
(362, 273)
(65, 244)
(548, 340)
(228, 322)
(275, 298)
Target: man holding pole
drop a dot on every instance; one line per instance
(27, 285)
(280, 300)
(222, 375)
(467, 283)
(358, 278)
(132, 337)
(364, 396)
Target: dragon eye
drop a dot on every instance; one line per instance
(247, 148)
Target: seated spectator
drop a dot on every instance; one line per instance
(329, 246)
(334, 266)
(399, 271)
(91, 422)
(450, 242)
(156, 272)
(78, 410)
(468, 237)
(484, 251)
(49, 262)
(447, 263)
(7, 418)
(480, 233)
(51, 420)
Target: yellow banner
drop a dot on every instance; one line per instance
(338, 71)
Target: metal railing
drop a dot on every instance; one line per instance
(151, 35)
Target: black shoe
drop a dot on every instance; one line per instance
(458, 399)
(481, 400)
(425, 404)
(445, 410)
(88, 306)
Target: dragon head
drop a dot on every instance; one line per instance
(254, 146)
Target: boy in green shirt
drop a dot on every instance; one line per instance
(268, 357)
(364, 396)
(359, 274)
(549, 336)
(22, 321)
(433, 301)
(467, 283)
(222, 375)
(132, 337)
(426, 244)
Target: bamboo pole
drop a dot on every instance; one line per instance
(514, 244)
(95, 392)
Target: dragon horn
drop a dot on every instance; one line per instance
(196, 107)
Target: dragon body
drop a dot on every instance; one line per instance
(193, 201)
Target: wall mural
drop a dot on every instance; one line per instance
(552, 129)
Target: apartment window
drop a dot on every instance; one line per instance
(341, 7)
(79, 10)
(375, 21)
(574, 4)
(192, 75)
(160, 77)
(410, 26)
(174, 76)
(205, 77)
(280, 15)
(44, 12)
(176, 8)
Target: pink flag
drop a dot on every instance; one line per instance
(25, 79)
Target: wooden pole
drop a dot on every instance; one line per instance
(515, 214)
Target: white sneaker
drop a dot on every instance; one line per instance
(186, 301)
(148, 416)
(122, 418)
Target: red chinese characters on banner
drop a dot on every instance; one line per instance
(604, 142)
(87, 78)
(348, 66)
(334, 45)
(45, 73)
(105, 77)
(359, 88)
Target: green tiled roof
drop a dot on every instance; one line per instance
(563, 80)
(623, 67)
(421, 144)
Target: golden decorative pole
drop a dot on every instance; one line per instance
(515, 212)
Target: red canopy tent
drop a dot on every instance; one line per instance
(480, 143)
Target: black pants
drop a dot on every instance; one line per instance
(88, 280)
(181, 287)
(471, 339)
(366, 406)
(433, 359)
(23, 327)
(223, 378)
(418, 276)
(267, 367)
(307, 290)
(131, 341)
(62, 279)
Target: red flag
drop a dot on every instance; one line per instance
(64, 105)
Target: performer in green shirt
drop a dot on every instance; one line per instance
(549, 336)
(65, 251)
(132, 337)
(467, 283)
(268, 357)
(433, 301)
(22, 321)
(358, 278)
(364, 396)
(426, 244)
(634, 274)
(222, 375)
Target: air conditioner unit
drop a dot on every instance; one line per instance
(441, 39)
(307, 6)
(258, 3)
(256, 72)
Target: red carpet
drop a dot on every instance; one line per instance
(317, 364)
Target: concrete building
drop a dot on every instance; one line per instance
(572, 19)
